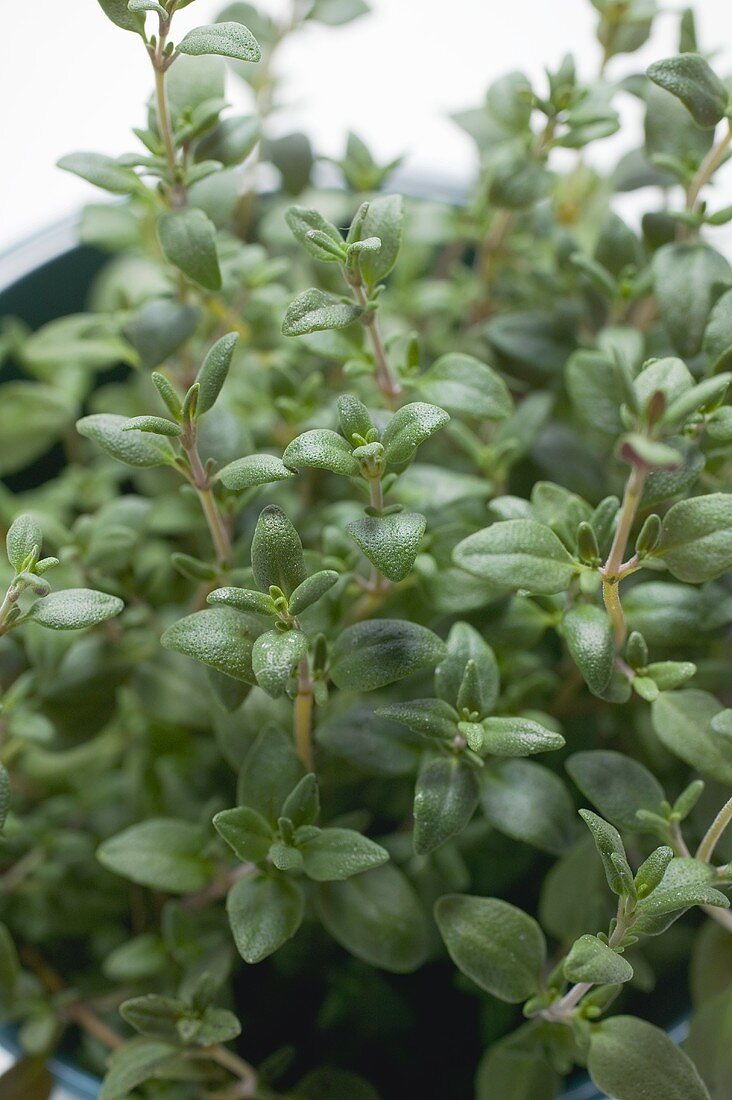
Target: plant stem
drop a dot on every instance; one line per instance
(705, 851)
(161, 64)
(236, 1065)
(303, 714)
(385, 378)
(200, 481)
(561, 1011)
(707, 168)
(612, 571)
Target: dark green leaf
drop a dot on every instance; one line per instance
(246, 832)
(275, 656)
(372, 654)
(696, 538)
(377, 917)
(408, 428)
(462, 384)
(220, 637)
(268, 774)
(322, 449)
(445, 798)
(188, 239)
(687, 280)
(518, 553)
(214, 370)
(591, 960)
(390, 542)
(618, 785)
(591, 642)
(162, 853)
(277, 557)
(682, 720)
(264, 912)
(530, 803)
(23, 537)
(336, 854)
(384, 219)
(690, 78)
(501, 948)
(631, 1059)
(311, 590)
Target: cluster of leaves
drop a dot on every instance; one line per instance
(373, 545)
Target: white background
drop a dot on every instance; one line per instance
(71, 80)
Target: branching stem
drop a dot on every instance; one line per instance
(614, 570)
(385, 378)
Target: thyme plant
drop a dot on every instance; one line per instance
(356, 504)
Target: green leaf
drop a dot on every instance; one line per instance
(243, 599)
(122, 17)
(354, 417)
(590, 640)
(23, 537)
(321, 449)
(102, 172)
(462, 384)
(245, 473)
(336, 854)
(408, 428)
(33, 417)
(594, 390)
(214, 371)
(154, 425)
(307, 226)
(631, 1059)
(75, 608)
(220, 637)
(246, 832)
(618, 785)
(518, 553)
(378, 652)
(231, 140)
(268, 774)
(302, 805)
(384, 219)
(710, 1043)
(696, 538)
(378, 917)
(499, 947)
(277, 557)
(610, 847)
(518, 1067)
(162, 853)
(314, 311)
(528, 802)
(687, 279)
(511, 737)
(445, 798)
(682, 721)
(430, 717)
(264, 912)
(224, 39)
(188, 240)
(465, 644)
(311, 590)
(591, 960)
(133, 1064)
(132, 448)
(686, 882)
(690, 78)
(517, 179)
(390, 542)
(275, 656)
